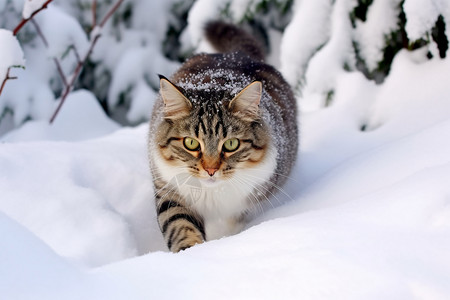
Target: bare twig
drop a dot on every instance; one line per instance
(55, 60)
(16, 30)
(24, 21)
(6, 79)
(75, 52)
(94, 38)
(94, 13)
(39, 32)
(110, 13)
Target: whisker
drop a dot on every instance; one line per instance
(253, 200)
(167, 184)
(266, 189)
(255, 185)
(277, 187)
(272, 172)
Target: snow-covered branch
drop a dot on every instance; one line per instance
(94, 36)
(11, 54)
(30, 9)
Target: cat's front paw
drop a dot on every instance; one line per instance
(186, 238)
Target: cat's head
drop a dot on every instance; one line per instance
(214, 136)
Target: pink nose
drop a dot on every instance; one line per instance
(211, 171)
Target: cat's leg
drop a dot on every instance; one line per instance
(181, 227)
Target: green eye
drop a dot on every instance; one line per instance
(231, 145)
(191, 144)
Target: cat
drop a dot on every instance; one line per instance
(223, 138)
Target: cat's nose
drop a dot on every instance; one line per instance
(211, 171)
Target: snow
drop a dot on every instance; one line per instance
(366, 213)
(201, 12)
(59, 41)
(336, 53)
(371, 34)
(41, 273)
(310, 25)
(80, 118)
(369, 215)
(34, 99)
(143, 100)
(31, 95)
(10, 52)
(320, 36)
(238, 8)
(65, 25)
(31, 6)
(135, 65)
(73, 199)
(415, 102)
(422, 16)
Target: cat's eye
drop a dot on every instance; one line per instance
(231, 145)
(191, 144)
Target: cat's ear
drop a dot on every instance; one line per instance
(246, 103)
(176, 105)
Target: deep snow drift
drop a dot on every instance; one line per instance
(367, 213)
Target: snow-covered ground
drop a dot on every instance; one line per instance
(367, 213)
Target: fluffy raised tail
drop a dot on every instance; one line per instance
(225, 37)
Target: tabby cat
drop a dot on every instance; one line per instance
(223, 138)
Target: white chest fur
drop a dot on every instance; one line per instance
(221, 204)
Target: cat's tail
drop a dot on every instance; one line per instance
(225, 37)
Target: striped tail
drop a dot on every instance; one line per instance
(225, 37)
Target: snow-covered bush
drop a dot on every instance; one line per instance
(311, 42)
(11, 57)
(121, 71)
(325, 38)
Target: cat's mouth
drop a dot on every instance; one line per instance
(210, 181)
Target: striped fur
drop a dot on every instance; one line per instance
(180, 226)
(206, 193)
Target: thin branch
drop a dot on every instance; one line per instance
(75, 52)
(17, 29)
(110, 13)
(55, 60)
(94, 13)
(39, 32)
(24, 21)
(6, 79)
(80, 64)
(60, 71)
